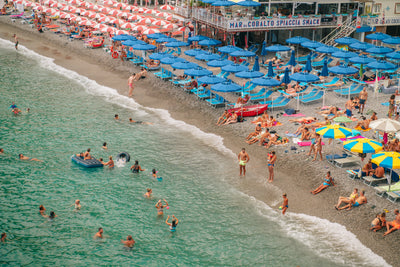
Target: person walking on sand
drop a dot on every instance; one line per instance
(285, 204)
(363, 99)
(243, 158)
(16, 41)
(130, 84)
(271, 165)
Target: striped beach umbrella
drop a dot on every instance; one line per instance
(334, 131)
(363, 145)
(389, 160)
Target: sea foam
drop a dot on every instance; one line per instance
(111, 95)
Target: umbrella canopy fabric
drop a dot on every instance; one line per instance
(363, 145)
(197, 72)
(144, 47)
(226, 87)
(324, 71)
(242, 53)
(156, 35)
(228, 49)
(197, 38)
(184, 65)
(248, 3)
(308, 66)
(286, 77)
(223, 3)
(381, 65)
(234, 68)
(386, 125)
(159, 56)
(270, 70)
(264, 81)
(292, 60)
(304, 77)
(392, 40)
(390, 160)
(195, 52)
(123, 37)
(132, 42)
(312, 44)
(343, 70)
(377, 36)
(361, 59)
(342, 119)
(171, 60)
(327, 49)
(393, 55)
(334, 131)
(346, 40)
(209, 42)
(297, 40)
(165, 40)
(379, 50)
(249, 74)
(361, 46)
(344, 54)
(207, 56)
(277, 48)
(176, 44)
(210, 79)
(219, 63)
(256, 66)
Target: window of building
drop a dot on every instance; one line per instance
(397, 8)
(376, 8)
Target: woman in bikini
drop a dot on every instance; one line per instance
(327, 182)
(271, 165)
(318, 147)
(160, 207)
(136, 168)
(391, 106)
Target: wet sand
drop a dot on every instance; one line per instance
(295, 173)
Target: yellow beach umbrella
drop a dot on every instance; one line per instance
(333, 131)
(363, 145)
(390, 160)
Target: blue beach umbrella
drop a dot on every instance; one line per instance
(223, 3)
(256, 66)
(265, 81)
(297, 40)
(195, 52)
(219, 63)
(210, 79)
(165, 40)
(156, 35)
(308, 66)
(324, 71)
(242, 53)
(197, 38)
(176, 44)
(208, 1)
(263, 52)
(327, 49)
(209, 42)
(392, 40)
(286, 77)
(361, 46)
(393, 55)
(346, 40)
(171, 60)
(123, 37)
(304, 77)
(249, 74)
(228, 49)
(361, 59)
(234, 68)
(312, 44)
(197, 72)
(344, 54)
(381, 65)
(292, 60)
(207, 56)
(226, 87)
(277, 48)
(144, 47)
(184, 65)
(270, 70)
(343, 70)
(248, 3)
(159, 56)
(377, 36)
(132, 42)
(379, 50)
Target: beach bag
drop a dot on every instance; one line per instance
(290, 111)
(240, 119)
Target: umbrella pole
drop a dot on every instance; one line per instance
(323, 99)
(390, 178)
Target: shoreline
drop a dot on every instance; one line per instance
(154, 93)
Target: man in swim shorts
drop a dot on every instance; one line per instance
(347, 200)
(99, 234)
(139, 122)
(243, 158)
(285, 204)
(363, 98)
(130, 84)
(1, 151)
(357, 202)
(16, 41)
(393, 225)
(349, 106)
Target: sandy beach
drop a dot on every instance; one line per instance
(295, 174)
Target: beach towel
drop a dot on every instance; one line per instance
(385, 104)
(351, 138)
(294, 115)
(292, 135)
(361, 129)
(307, 143)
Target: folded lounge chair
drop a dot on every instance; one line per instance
(282, 104)
(347, 161)
(316, 97)
(217, 101)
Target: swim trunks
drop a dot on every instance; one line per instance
(270, 164)
(348, 112)
(356, 204)
(362, 101)
(242, 163)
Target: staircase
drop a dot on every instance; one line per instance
(347, 28)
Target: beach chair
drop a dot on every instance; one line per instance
(347, 161)
(282, 104)
(205, 95)
(17, 16)
(217, 101)
(160, 73)
(320, 63)
(312, 93)
(381, 190)
(331, 158)
(393, 196)
(253, 48)
(247, 90)
(137, 60)
(261, 97)
(371, 181)
(304, 58)
(316, 97)
(276, 101)
(334, 80)
(357, 81)
(355, 89)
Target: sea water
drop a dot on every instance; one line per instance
(218, 225)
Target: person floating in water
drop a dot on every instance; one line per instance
(160, 207)
(105, 146)
(13, 106)
(3, 237)
(154, 173)
(99, 234)
(78, 204)
(173, 223)
(139, 122)
(136, 167)
(285, 204)
(42, 210)
(129, 242)
(22, 157)
(116, 117)
(148, 193)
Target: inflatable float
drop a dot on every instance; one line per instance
(123, 156)
(88, 163)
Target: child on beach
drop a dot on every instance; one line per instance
(285, 204)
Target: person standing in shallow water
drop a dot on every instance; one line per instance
(285, 204)
(16, 41)
(243, 158)
(130, 84)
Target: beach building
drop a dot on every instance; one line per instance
(274, 21)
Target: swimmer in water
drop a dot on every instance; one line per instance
(109, 163)
(78, 204)
(139, 122)
(129, 242)
(99, 234)
(105, 146)
(1, 151)
(42, 210)
(160, 207)
(22, 157)
(116, 117)
(154, 173)
(173, 223)
(148, 193)
(136, 168)
(3, 237)
(52, 215)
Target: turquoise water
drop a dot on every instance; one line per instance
(218, 225)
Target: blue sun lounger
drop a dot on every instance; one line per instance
(217, 101)
(282, 104)
(334, 80)
(355, 89)
(275, 101)
(312, 93)
(316, 97)
(266, 94)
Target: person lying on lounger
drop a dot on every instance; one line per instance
(355, 202)
(305, 120)
(379, 222)
(153, 63)
(393, 225)
(327, 182)
(241, 101)
(347, 200)
(330, 110)
(257, 131)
